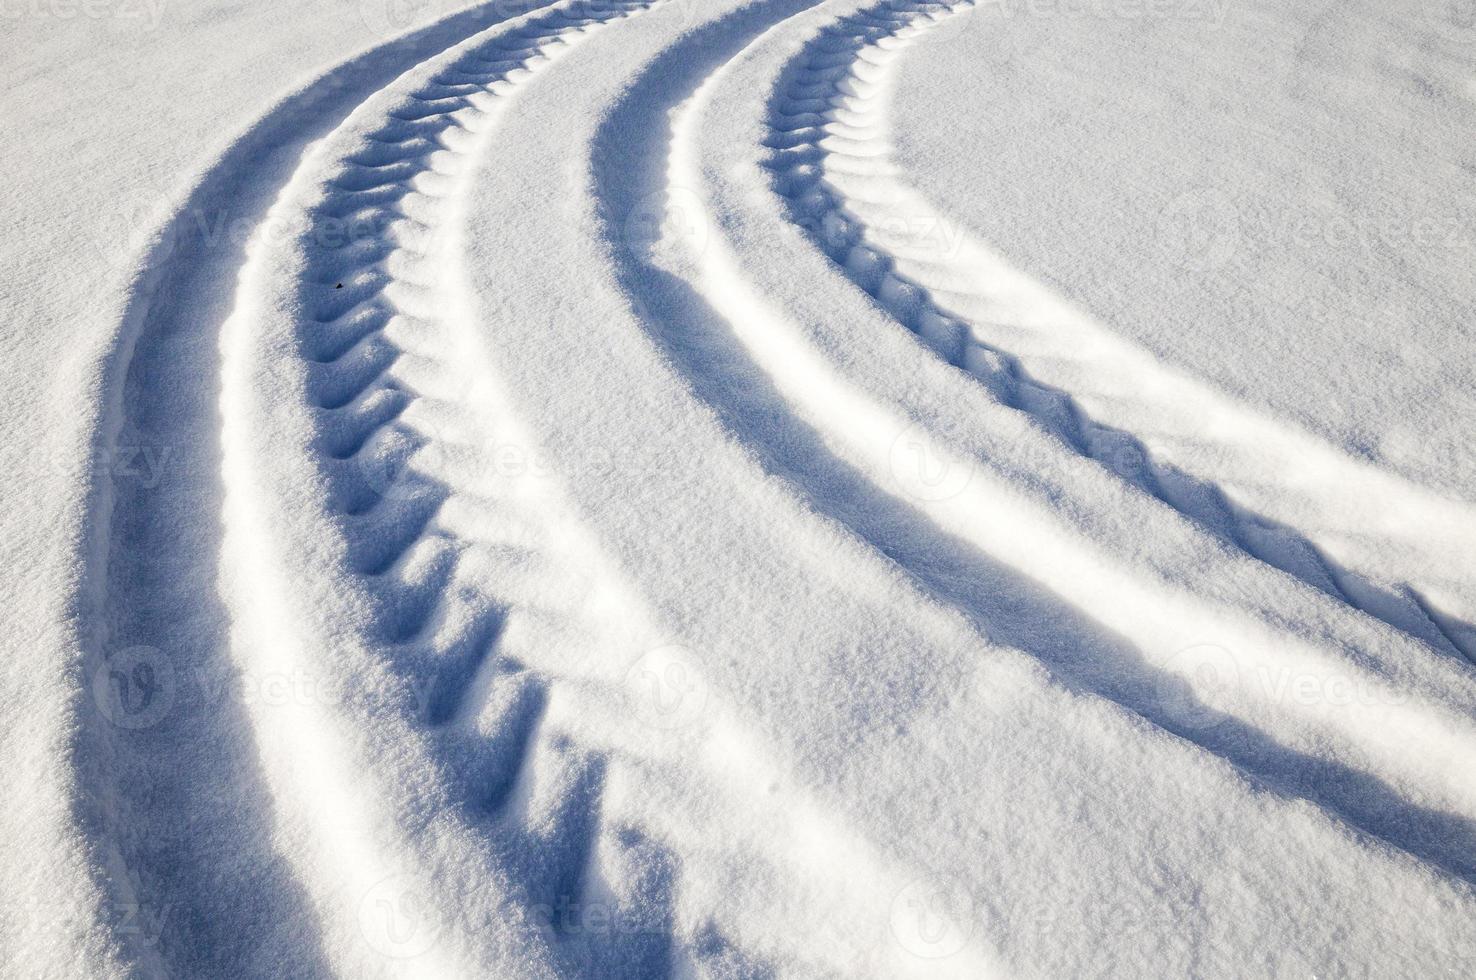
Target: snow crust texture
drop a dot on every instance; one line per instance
(623, 521)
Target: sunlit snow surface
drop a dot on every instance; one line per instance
(694, 488)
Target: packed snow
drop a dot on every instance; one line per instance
(738, 489)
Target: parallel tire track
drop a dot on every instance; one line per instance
(170, 779)
(450, 543)
(1317, 754)
(460, 610)
(402, 426)
(450, 548)
(831, 162)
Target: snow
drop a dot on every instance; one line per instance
(1268, 195)
(738, 488)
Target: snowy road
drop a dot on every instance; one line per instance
(573, 495)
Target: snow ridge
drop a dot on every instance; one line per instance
(510, 413)
(1139, 630)
(832, 163)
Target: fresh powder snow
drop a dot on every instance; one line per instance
(738, 489)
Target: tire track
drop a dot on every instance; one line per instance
(666, 265)
(434, 805)
(407, 419)
(463, 566)
(831, 162)
(169, 781)
(798, 411)
(445, 559)
(630, 163)
(376, 342)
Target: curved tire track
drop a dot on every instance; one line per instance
(457, 614)
(378, 206)
(773, 378)
(831, 161)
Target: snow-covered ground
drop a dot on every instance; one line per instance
(738, 488)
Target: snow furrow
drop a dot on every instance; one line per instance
(540, 582)
(404, 417)
(404, 636)
(175, 799)
(831, 161)
(1221, 648)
